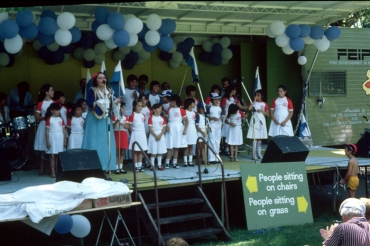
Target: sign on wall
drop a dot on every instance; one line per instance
(276, 195)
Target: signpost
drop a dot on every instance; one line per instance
(276, 195)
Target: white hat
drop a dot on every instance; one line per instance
(214, 95)
(166, 93)
(353, 204)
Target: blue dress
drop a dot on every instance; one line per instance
(96, 132)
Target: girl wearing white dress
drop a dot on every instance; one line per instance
(191, 133)
(257, 126)
(281, 112)
(44, 100)
(176, 129)
(55, 135)
(215, 124)
(156, 141)
(234, 138)
(137, 122)
(75, 127)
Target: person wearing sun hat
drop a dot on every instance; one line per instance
(351, 177)
(354, 231)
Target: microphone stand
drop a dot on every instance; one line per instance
(110, 97)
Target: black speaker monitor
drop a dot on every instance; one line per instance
(285, 149)
(78, 164)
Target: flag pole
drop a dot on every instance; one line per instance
(182, 84)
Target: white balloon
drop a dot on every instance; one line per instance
(287, 50)
(153, 22)
(207, 46)
(226, 54)
(277, 28)
(269, 32)
(282, 40)
(215, 40)
(110, 43)
(308, 40)
(225, 42)
(13, 45)
(152, 38)
(81, 226)
(63, 37)
(137, 47)
(4, 59)
(143, 54)
(125, 50)
(322, 44)
(133, 25)
(174, 64)
(88, 54)
(104, 32)
(129, 16)
(118, 56)
(66, 20)
(53, 47)
(133, 39)
(4, 16)
(177, 57)
(100, 49)
(302, 60)
(99, 59)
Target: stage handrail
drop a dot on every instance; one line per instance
(155, 189)
(223, 176)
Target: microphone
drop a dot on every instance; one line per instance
(238, 80)
(104, 81)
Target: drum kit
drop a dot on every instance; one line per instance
(14, 140)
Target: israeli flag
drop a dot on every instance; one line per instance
(304, 130)
(116, 82)
(193, 64)
(257, 81)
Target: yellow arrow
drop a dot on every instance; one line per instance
(302, 204)
(252, 184)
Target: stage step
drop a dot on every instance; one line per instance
(175, 203)
(193, 234)
(186, 217)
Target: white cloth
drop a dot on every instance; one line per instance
(175, 138)
(40, 140)
(56, 136)
(137, 121)
(257, 127)
(235, 134)
(157, 147)
(43, 201)
(281, 107)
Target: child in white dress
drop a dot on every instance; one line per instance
(55, 134)
(137, 122)
(75, 127)
(176, 130)
(156, 141)
(215, 124)
(257, 127)
(191, 133)
(234, 137)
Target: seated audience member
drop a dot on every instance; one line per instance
(354, 231)
(20, 101)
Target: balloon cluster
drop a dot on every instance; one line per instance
(91, 50)
(179, 52)
(294, 37)
(78, 225)
(12, 32)
(56, 36)
(216, 51)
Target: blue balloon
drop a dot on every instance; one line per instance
(89, 64)
(86, 41)
(24, 18)
(166, 43)
(217, 48)
(143, 31)
(45, 39)
(332, 33)
(128, 65)
(48, 13)
(95, 25)
(293, 31)
(57, 57)
(101, 14)
(305, 30)
(121, 38)
(67, 49)
(48, 26)
(296, 44)
(29, 32)
(147, 47)
(168, 26)
(165, 56)
(216, 59)
(185, 56)
(44, 52)
(205, 56)
(132, 57)
(190, 42)
(64, 223)
(9, 29)
(316, 32)
(116, 21)
(183, 47)
(76, 34)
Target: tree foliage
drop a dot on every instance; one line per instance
(363, 16)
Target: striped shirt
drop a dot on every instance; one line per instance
(354, 232)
